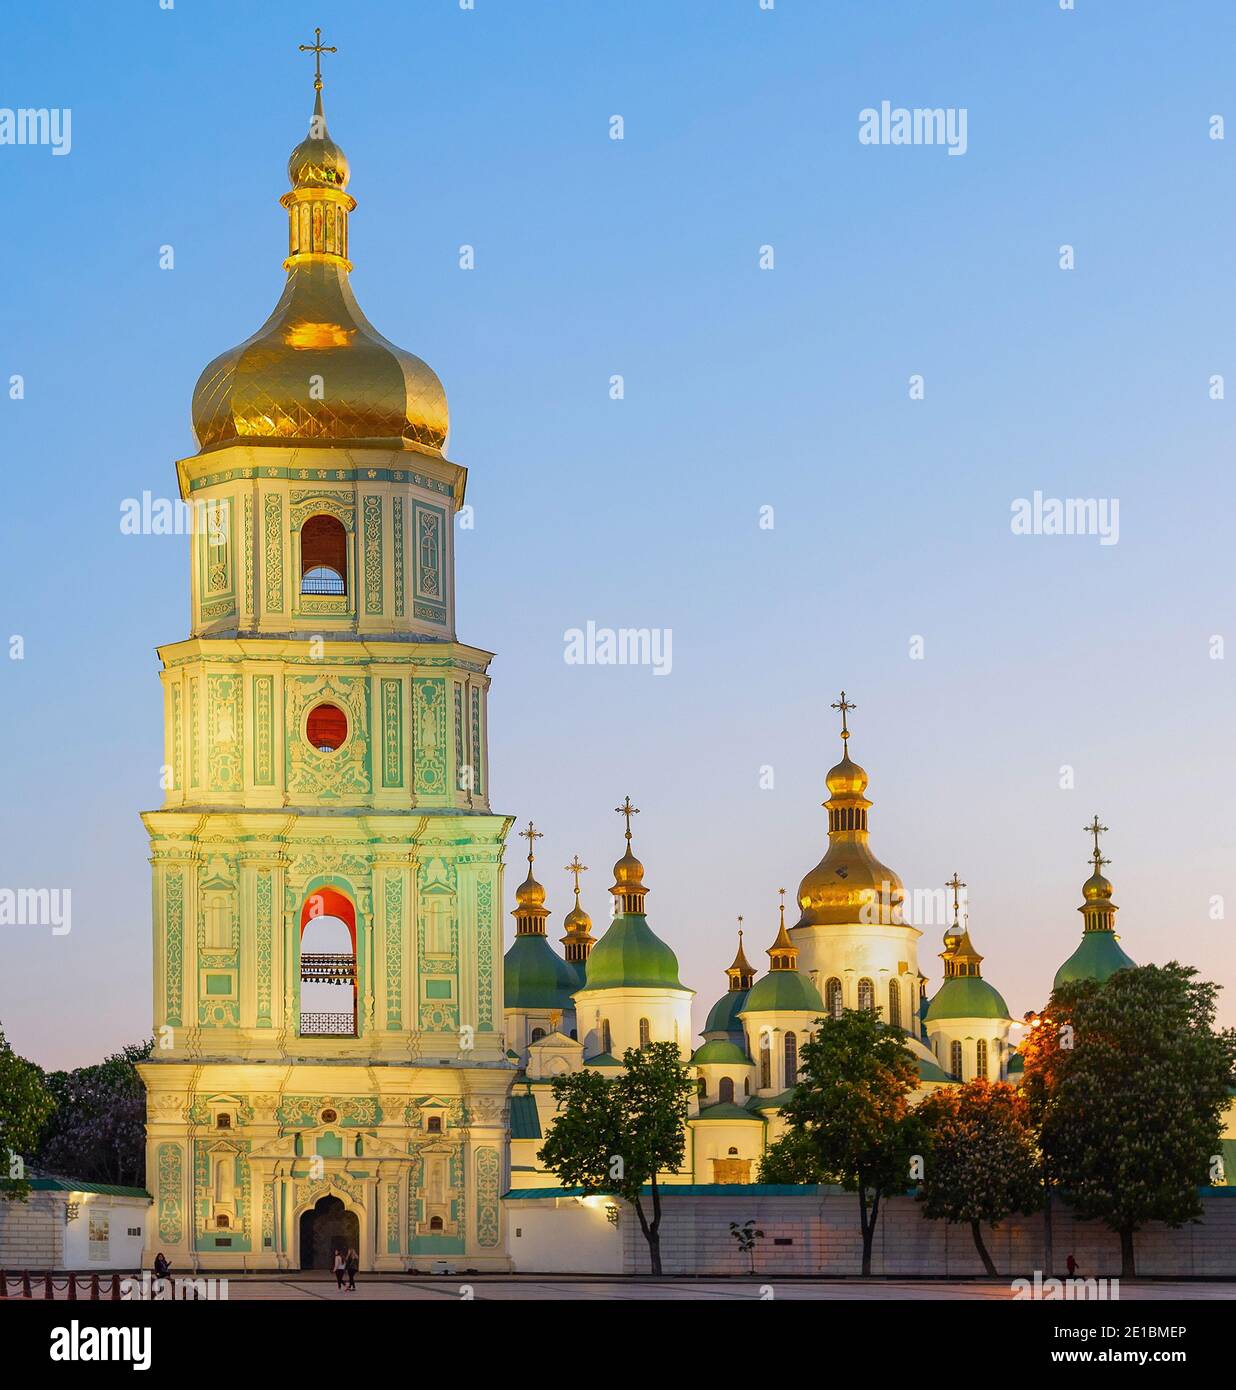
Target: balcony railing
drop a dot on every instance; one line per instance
(328, 1025)
(319, 969)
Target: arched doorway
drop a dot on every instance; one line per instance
(326, 1227)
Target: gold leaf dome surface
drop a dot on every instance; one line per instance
(317, 371)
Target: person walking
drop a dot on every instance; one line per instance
(352, 1264)
(338, 1268)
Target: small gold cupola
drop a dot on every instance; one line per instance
(849, 884)
(628, 888)
(1097, 909)
(782, 954)
(530, 912)
(742, 972)
(578, 942)
(959, 956)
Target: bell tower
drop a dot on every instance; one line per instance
(327, 870)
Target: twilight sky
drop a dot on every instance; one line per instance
(745, 389)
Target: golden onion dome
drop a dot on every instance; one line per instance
(1097, 888)
(530, 893)
(317, 372)
(847, 778)
(577, 922)
(628, 871)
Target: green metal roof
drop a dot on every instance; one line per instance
(726, 1110)
(525, 1122)
(720, 1052)
(1017, 1064)
(602, 1059)
(770, 1102)
(534, 976)
(784, 991)
(723, 1016)
(967, 996)
(930, 1071)
(631, 954)
(102, 1189)
(1098, 957)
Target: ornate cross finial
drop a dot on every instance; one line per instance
(317, 48)
(626, 809)
(1096, 856)
(576, 868)
(782, 892)
(740, 931)
(956, 885)
(532, 834)
(845, 706)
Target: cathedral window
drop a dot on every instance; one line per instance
(765, 1064)
(326, 727)
(223, 1121)
(701, 1087)
(980, 1061)
(954, 1062)
(435, 1223)
(866, 995)
(832, 997)
(323, 556)
(433, 1124)
(746, 1085)
(894, 1003)
(645, 1032)
(791, 1059)
(538, 1034)
(607, 1040)
(725, 1091)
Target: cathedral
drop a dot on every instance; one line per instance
(343, 1056)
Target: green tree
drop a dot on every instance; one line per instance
(849, 1117)
(979, 1157)
(98, 1131)
(616, 1136)
(25, 1104)
(1129, 1080)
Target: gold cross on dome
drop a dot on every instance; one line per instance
(531, 834)
(576, 868)
(1095, 829)
(845, 706)
(956, 885)
(626, 809)
(317, 48)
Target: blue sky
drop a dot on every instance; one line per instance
(744, 388)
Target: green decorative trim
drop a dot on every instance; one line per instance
(194, 740)
(247, 540)
(225, 729)
(397, 541)
(273, 552)
(459, 739)
(373, 554)
(171, 1177)
(264, 731)
(299, 1112)
(394, 951)
(264, 898)
(429, 697)
(392, 733)
(173, 947)
(485, 955)
(478, 775)
(178, 741)
(392, 1218)
(379, 475)
(430, 525)
(488, 1168)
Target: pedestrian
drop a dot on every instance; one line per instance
(161, 1267)
(352, 1264)
(1073, 1267)
(338, 1268)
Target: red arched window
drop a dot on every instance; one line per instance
(328, 965)
(326, 728)
(323, 556)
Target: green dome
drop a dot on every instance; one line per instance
(721, 1052)
(631, 954)
(534, 976)
(967, 996)
(1098, 957)
(723, 1016)
(931, 1071)
(784, 991)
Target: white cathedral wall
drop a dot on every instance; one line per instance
(967, 1031)
(668, 1012)
(858, 951)
(774, 1026)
